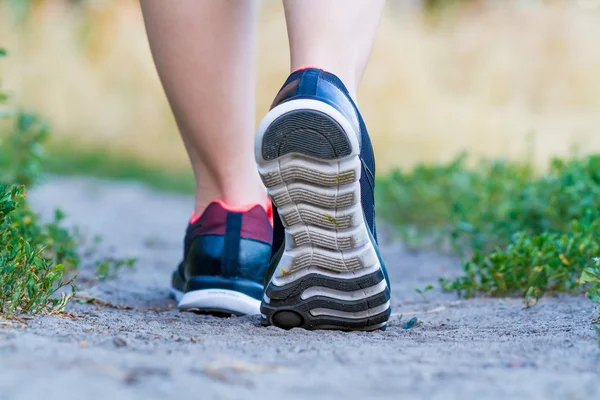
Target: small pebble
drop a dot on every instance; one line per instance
(411, 323)
(119, 342)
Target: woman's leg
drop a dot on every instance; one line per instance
(204, 51)
(335, 35)
(317, 162)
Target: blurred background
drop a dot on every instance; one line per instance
(515, 79)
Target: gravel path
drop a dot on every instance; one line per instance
(461, 349)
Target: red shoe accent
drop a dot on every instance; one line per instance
(305, 67)
(268, 208)
(243, 209)
(195, 217)
(213, 221)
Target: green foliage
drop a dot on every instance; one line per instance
(28, 277)
(106, 163)
(591, 276)
(33, 255)
(424, 291)
(473, 206)
(532, 265)
(21, 151)
(110, 267)
(528, 234)
(445, 11)
(440, 5)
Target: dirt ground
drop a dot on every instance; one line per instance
(140, 347)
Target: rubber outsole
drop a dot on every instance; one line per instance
(320, 139)
(329, 275)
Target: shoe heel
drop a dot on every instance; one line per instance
(329, 275)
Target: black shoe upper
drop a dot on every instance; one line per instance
(226, 249)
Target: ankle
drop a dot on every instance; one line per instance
(346, 75)
(237, 201)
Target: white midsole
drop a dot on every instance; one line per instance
(217, 300)
(285, 280)
(350, 315)
(341, 295)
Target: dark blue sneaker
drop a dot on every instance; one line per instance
(316, 159)
(226, 254)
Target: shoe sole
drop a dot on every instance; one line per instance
(329, 275)
(216, 301)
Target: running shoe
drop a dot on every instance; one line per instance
(316, 160)
(226, 254)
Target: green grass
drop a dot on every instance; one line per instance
(521, 233)
(105, 163)
(38, 260)
(34, 256)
